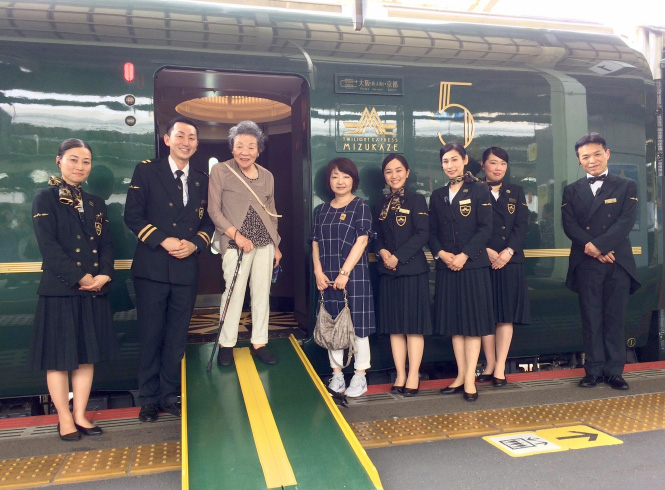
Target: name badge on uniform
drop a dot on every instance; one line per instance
(465, 207)
(512, 199)
(610, 201)
(342, 216)
(405, 211)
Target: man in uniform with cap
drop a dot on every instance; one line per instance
(167, 210)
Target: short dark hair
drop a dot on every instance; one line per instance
(590, 138)
(70, 143)
(346, 166)
(250, 128)
(458, 147)
(181, 119)
(394, 156)
(497, 151)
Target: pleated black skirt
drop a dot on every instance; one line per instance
(404, 305)
(463, 303)
(510, 296)
(71, 330)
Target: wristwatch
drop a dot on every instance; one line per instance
(343, 272)
(510, 251)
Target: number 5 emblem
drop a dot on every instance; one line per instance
(444, 104)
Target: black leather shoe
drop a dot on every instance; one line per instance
(451, 390)
(589, 381)
(72, 436)
(617, 382)
(173, 408)
(225, 356)
(397, 389)
(485, 378)
(149, 413)
(471, 397)
(264, 355)
(498, 382)
(92, 431)
(409, 392)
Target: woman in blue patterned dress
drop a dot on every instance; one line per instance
(342, 229)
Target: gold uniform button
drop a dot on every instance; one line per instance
(503, 227)
(588, 227)
(170, 204)
(92, 238)
(78, 250)
(174, 225)
(503, 238)
(94, 251)
(79, 264)
(96, 264)
(191, 229)
(78, 237)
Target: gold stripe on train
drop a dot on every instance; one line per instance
(126, 264)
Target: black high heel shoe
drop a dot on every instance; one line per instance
(499, 382)
(451, 390)
(91, 431)
(409, 392)
(485, 378)
(397, 389)
(471, 397)
(72, 436)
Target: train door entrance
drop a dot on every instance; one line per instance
(279, 104)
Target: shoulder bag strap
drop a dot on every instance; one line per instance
(265, 208)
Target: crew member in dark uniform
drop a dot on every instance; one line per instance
(598, 213)
(460, 220)
(402, 230)
(167, 210)
(506, 252)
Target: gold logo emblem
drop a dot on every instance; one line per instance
(469, 125)
(465, 210)
(342, 216)
(370, 120)
(511, 208)
(201, 213)
(400, 219)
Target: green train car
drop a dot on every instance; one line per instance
(114, 72)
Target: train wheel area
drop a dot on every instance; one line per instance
(533, 409)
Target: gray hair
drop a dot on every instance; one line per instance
(250, 128)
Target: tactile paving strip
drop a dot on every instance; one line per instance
(408, 430)
(95, 465)
(468, 424)
(29, 472)
(156, 458)
(616, 416)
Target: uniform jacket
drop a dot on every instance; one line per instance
(465, 225)
(154, 212)
(70, 248)
(510, 220)
(403, 233)
(604, 220)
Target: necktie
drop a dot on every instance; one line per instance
(178, 175)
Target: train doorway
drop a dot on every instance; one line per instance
(279, 104)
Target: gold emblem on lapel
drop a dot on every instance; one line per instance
(511, 208)
(507, 191)
(465, 190)
(342, 216)
(401, 220)
(91, 203)
(610, 201)
(98, 223)
(405, 211)
(465, 209)
(200, 213)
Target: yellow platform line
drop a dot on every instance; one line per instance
(339, 418)
(183, 418)
(277, 469)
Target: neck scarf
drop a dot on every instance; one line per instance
(493, 184)
(392, 201)
(468, 177)
(68, 194)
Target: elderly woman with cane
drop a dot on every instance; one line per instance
(241, 203)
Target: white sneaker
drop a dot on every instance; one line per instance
(336, 383)
(357, 387)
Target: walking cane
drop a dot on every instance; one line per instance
(226, 307)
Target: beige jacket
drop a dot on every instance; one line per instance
(229, 201)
